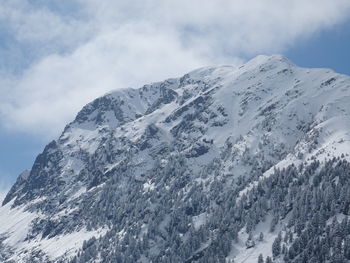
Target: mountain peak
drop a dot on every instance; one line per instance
(275, 58)
(264, 61)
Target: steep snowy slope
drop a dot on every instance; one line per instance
(135, 161)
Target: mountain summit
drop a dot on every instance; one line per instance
(209, 167)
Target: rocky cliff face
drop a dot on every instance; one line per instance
(150, 174)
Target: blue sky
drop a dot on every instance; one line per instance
(57, 57)
(328, 49)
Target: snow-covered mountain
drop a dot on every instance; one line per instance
(173, 171)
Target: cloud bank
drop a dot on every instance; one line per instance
(59, 55)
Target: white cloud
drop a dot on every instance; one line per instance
(39, 25)
(114, 44)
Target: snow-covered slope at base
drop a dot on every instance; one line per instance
(216, 123)
(15, 222)
(14, 228)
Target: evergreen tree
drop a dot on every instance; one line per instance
(260, 259)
